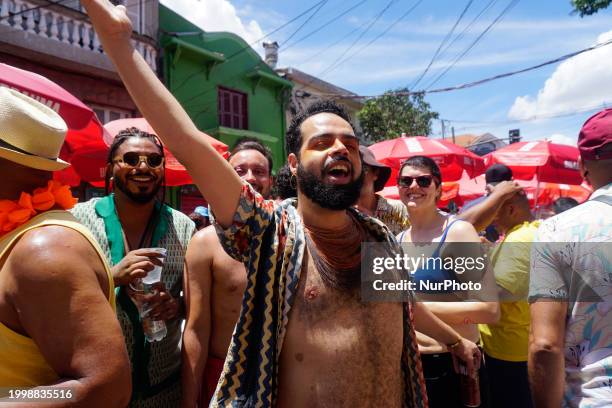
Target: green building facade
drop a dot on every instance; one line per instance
(223, 84)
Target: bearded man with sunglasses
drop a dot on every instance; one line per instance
(128, 223)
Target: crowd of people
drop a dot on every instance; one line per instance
(259, 301)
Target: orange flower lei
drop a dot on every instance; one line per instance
(14, 213)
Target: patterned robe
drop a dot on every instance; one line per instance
(269, 240)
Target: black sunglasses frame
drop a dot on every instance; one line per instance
(422, 181)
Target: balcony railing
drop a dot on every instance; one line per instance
(61, 27)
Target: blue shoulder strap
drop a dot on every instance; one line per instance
(437, 251)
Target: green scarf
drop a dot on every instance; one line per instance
(105, 209)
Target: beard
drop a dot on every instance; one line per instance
(330, 196)
(142, 197)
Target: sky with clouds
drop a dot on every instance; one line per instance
(370, 46)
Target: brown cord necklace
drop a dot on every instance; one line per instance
(337, 253)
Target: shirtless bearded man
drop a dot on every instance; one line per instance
(215, 284)
(303, 338)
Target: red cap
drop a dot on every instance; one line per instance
(594, 135)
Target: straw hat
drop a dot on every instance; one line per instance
(31, 134)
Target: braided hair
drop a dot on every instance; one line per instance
(118, 141)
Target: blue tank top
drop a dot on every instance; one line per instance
(434, 274)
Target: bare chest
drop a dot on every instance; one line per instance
(229, 275)
(339, 351)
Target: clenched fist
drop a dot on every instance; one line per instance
(110, 22)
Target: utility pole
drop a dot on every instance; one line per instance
(443, 129)
(453, 133)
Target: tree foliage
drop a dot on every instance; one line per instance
(588, 7)
(394, 113)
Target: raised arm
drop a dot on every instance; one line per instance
(63, 308)
(198, 284)
(482, 214)
(211, 173)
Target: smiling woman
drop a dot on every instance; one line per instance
(419, 185)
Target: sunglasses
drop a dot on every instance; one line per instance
(133, 159)
(422, 181)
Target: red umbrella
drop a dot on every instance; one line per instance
(547, 193)
(74, 112)
(89, 160)
(467, 189)
(451, 158)
(83, 125)
(544, 160)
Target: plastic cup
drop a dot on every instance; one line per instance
(154, 275)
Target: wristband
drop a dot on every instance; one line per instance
(454, 345)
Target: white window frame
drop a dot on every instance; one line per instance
(106, 111)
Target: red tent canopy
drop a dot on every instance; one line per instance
(470, 189)
(467, 189)
(451, 159)
(544, 160)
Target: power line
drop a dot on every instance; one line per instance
(476, 41)
(344, 37)
(50, 3)
(467, 28)
(185, 102)
(364, 32)
(532, 118)
(381, 34)
(444, 40)
(482, 81)
(248, 46)
(17, 28)
(305, 22)
(325, 24)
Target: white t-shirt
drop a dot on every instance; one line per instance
(571, 260)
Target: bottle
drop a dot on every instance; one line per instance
(154, 330)
(470, 386)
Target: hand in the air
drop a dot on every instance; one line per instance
(506, 188)
(110, 22)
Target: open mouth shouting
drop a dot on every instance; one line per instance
(339, 171)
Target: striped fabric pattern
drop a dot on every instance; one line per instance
(269, 240)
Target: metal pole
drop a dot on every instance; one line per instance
(443, 133)
(537, 193)
(453, 133)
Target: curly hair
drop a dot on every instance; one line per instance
(294, 133)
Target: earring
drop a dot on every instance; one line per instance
(293, 182)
